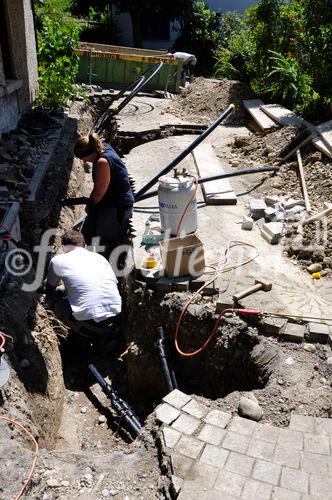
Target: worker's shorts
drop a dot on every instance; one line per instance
(109, 223)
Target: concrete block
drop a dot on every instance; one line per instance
(201, 477)
(270, 214)
(235, 442)
(291, 202)
(320, 488)
(285, 455)
(239, 464)
(224, 302)
(257, 207)
(213, 455)
(283, 494)
(272, 232)
(318, 332)
(218, 418)
(255, 490)
(189, 447)
(261, 449)
(197, 283)
(166, 414)
(186, 424)
(230, 483)
(280, 217)
(195, 409)
(271, 200)
(180, 285)
(313, 463)
(242, 426)
(315, 443)
(247, 223)
(177, 398)
(273, 326)
(293, 439)
(265, 432)
(170, 436)
(181, 464)
(294, 480)
(302, 423)
(294, 332)
(267, 472)
(211, 434)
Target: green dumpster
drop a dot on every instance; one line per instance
(112, 66)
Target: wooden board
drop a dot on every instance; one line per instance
(285, 116)
(319, 144)
(217, 192)
(325, 130)
(261, 118)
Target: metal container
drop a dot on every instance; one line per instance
(174, 193)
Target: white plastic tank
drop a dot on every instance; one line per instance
(174, 194)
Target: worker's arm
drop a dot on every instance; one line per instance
(52, 280)
(102, 180)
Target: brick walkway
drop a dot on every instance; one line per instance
(216, 456)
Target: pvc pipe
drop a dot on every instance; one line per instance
(168, 372)
(185, 153)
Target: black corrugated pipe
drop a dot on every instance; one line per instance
(185, 153)
(201, 180)
(120, 406)
(166, 368)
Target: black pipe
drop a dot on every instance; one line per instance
(166, 368)
(120, 406)
(201, 180)
(185, 153)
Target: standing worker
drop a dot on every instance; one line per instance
(111, 200)
(189, 62)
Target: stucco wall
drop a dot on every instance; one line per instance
(9, 112)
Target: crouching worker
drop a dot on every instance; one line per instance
(92, 303)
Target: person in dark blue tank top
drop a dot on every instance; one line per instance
(111, 199)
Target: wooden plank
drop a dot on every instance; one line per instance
(261, 118)
(325, 131)
(319, 144)
(285, 116)
(217, 192)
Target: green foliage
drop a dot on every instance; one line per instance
(58, 36)
(199, 36)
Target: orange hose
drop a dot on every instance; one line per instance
(33, 464)
(3, 340)
(188, 204)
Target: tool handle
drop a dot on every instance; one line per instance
(248, 291)
(252, 312)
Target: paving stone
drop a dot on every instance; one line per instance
(242, 426)
(257, 208)
(266, 433)
(261, 449)
(224, 302)
(177, 398)
(181, 465)
(314, 463)
(283, 494)
(164, 285)
(166, 414)
(324, 425)
(294, 333)
(235, 442)
(218, 418)
(171, 437)
(239, 464)
(284, 455)
(316, 444)
(202, 476)
(321, 488)
(195, 409)
(211, 434)
(255, 490)
(203, 495)
(294, 480)
(302, 423)
(186, 424)
(290, 438)
(273, 326)
(213, 455)
(188, 446)
(176, 484)
(266, 471)
(229, 483)
(318, 332)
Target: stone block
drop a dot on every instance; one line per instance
(202, 476)
(210, 289)
(272, 232)
(261, 449)
(320, 488)
(302, 423)
(218, 418)
(180, 285)
(164, 285)
(285, 455)
(294, 333)
(247, 223)
(235, 442)
(170, 436)
(230, 483)
(265, 432)
(318, 332)
(283, 494)
(211, 434)
(316, 443)
(255, 490)
(294, 480)
(293, 439)
(177, 398)
(239, 464)
(257, 208)
(181, 464)
(273, 326)
(176, 484)
(324, 425)
(189, 447)
(195, 409)
(242, 426)
(214, 455)
(288, 204)
(270, 201)
(313, 463)
(224, 302)
(270, 214)
(267, 472)
(166, 414)
(186, 424)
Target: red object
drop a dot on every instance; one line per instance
(253, 312)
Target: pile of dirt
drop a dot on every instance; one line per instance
(205, 99)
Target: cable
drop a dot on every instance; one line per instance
(219, 270)
(33, 464)
(188, 204)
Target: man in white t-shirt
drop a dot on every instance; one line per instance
(93, 298)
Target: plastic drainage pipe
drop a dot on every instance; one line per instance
(120, 406)
(210, 178)
(166, 368)
(184, 153)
